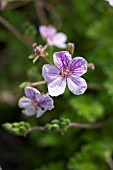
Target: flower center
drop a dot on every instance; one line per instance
(65, 73)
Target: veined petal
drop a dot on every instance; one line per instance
(47, 31)
(40, 112)
(50, 72)
(46, 102)
(58, 40)
(32, 93)
(62, 59)
(24, 102)
(77, 85)
(78, 66)
(29, 111)
(57, 86)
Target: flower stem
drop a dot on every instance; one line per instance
(72, 124)
(47, 60)
(87, 126)
(38, 83)
(45, 47)
(39, 128)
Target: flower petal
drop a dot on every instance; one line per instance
(78, 66)
(57, 87)
(50, 72)
(24, 102)
(62, 59)
(40, 112)
(47, 31)
(46, 102)
(29, 111)
(110, 2)
(32, 93)
(77, 85)
(58, 40)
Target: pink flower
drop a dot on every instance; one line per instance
(68, 71)
(52, 37)
(34, 103)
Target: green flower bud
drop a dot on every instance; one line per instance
(22, 129)
(55, 127)
(63, 124)
(67, 121)
(27, 125)
(15, 131)
(24, 84)
(55, 121)
(62, 119)
(15, 124)
(22, 123)
(48, 126)
(7, 126)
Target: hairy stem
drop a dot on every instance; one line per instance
(87, 126)
(39, 128)
(38, 83)
(110, 162)
(72, 124)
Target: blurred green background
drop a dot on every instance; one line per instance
(89, 24)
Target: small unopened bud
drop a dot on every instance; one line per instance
(55, 127)
(70, 48)
(91, 66)
(55, 121)
(48, 126)
(7, 126)
(67, 121)
(24, 84)
(34, 45)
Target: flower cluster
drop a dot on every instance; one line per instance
(66, 70)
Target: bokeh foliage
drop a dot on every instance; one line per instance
(89, 24)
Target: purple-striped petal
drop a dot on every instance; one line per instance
(46, 102)
(57, 40)
(78, 66)
(77, 85)
(24, 102)
(57, 86)
(62, 59)
(40, 112)
(32, 93)
(29, 111)
(50, 72)
(47, 31)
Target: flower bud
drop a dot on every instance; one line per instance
(7, 126)
(70, 48)
(63, 124)
(15, 131)
(48, 126)
(55, 121)
(67, 121)
(91, 66)
(15, 124)
(24, 85)
(55, 127)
